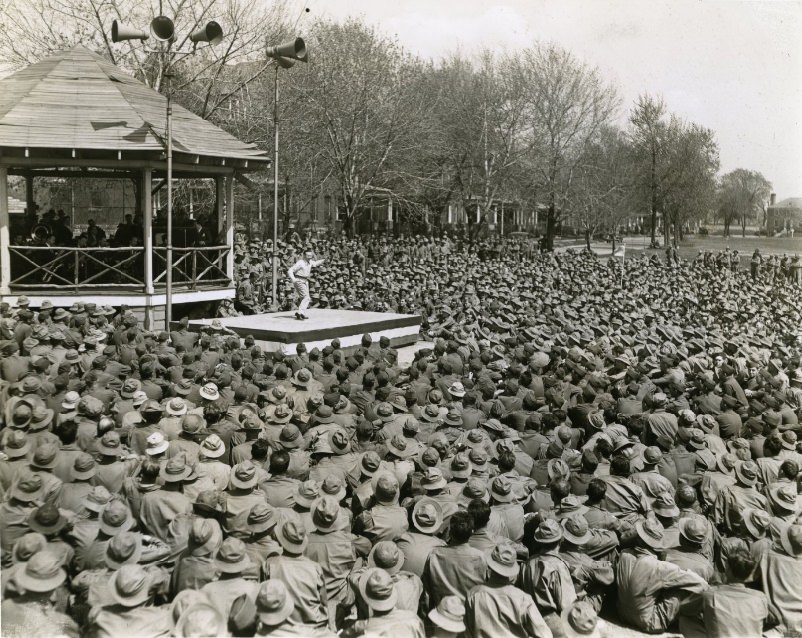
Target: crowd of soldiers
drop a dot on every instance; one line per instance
(771, 268)
(356, 269)
(570, 455)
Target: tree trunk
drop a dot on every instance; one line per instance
(587, 238)
(743, 226)
(654, 225)
(551, 228)
(348, 225)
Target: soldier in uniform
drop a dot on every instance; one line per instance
(246, 295)
(756, 263)
(735, 261)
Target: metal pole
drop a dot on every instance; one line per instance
(275, 185)
(168, 310)
(502, 218)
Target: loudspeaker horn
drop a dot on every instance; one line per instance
(162, 28)
(284, 63)
(120, 32)
(211, 33)
(295, 49)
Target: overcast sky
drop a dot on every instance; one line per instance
(732, 65)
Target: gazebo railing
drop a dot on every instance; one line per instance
(192, 267)
(60, 267)
(52, 268)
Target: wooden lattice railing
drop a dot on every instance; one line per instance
(192, 267)
(48, 268)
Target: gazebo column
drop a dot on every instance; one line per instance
(230, 228)
(5, 256)
(145, 185)
(30, 201)
(220, 206)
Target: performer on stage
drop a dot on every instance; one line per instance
(299, 273)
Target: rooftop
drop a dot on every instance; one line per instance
(788, 202)
(78, 102)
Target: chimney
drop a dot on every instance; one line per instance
(773, 199)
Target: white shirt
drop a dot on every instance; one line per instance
(303, 268)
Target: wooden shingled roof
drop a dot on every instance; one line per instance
(78, 101)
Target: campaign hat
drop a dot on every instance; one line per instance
(17, 444)
(114, 518)
(784, 497)
(307, 494)
(243, 475)
(325, 514)
(232, 557)
(387, 556)
(791, 539)
(449, 614)
(200, 619)
(47, 519)
(576, 529)
(580, 620)
(42, 573)
(129, 586)
(261, 518)
(124, 548)
(273, 602)
(292, 536)
(83, 467)
(334, 486)
(212, 447)
(377, 589)
(549, 531)
(502, 559)
(651, 533)
(427, 516)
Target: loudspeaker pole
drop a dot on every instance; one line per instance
(285, 56)
(168, 310)
(275, 186)
(163, 30)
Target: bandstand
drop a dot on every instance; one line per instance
(76, 115)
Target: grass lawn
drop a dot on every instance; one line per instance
(744, 245)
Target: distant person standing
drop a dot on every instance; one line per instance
(299, 273)
(735, 261)
(755, 263)
(795, 270)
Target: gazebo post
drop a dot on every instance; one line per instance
(147, 242)
(230, 227)
(5, 256)
(219, 203)
(30, 202)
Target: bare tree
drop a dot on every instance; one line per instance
(34, 29)
(688, 184)
(482, 115)
(568, 103)
(599, 196)
(649, 134)
(674, 166)
(358, 108)
(742, 196)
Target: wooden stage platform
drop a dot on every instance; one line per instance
(282, 331)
